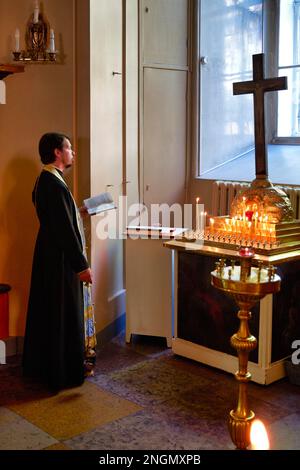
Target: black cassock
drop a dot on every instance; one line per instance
(54, 338)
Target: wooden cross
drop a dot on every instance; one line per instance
(259, 86)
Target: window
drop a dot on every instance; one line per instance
(288, 117)
(230, 32)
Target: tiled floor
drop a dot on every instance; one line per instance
(142, 397)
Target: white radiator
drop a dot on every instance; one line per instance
(225, 191)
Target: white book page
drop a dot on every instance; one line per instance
(100, 203)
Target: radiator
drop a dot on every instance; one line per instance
(224, 192)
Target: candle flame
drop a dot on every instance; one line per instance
(197, 200)
(259, 436)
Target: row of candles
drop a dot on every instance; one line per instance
(257, 242)
(249, 225)
(260, 228)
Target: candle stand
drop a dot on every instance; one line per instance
(39, 40)
(246, 284)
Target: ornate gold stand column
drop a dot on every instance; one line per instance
(241, 418)
(247, 285)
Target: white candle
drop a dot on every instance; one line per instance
(17, 40)
(197, 214)
(36, 12)
(244, 209)
(52, 42)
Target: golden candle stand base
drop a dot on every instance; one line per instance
(247, 285)
(89, 363)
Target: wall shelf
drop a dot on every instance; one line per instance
(8, 69)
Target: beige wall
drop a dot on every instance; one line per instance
(39, 100)
(132, 88)
(82, 98)
(106, 152)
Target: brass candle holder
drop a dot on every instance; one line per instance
(246, 284)
(39, 41)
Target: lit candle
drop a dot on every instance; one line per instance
(233, 225)
(36, 12)
(197, 214)
(52, 42)
(259, 436)
(244, 208)
(17, 40)
(256, 219)
(269, 235)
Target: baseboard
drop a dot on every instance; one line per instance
(226, 362)
(13, 345)
(275, 372)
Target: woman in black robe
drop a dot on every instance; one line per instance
(54, 339)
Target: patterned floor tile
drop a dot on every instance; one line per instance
(150, 346)
(149, 382)
(185, 405)
(58, 446)
(75, 411)
(284, 433)
(18, 434)
(211, 407)
(114, 357)
(263, 400)
(197, 368)
(281, 393)
(143, 431)
(14, 388)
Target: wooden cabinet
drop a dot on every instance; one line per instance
(149, 289)
(205, 318)
(164, 78)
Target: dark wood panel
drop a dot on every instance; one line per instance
(206, 316)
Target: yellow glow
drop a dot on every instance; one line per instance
(259, 436)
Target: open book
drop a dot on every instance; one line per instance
(102, 202)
